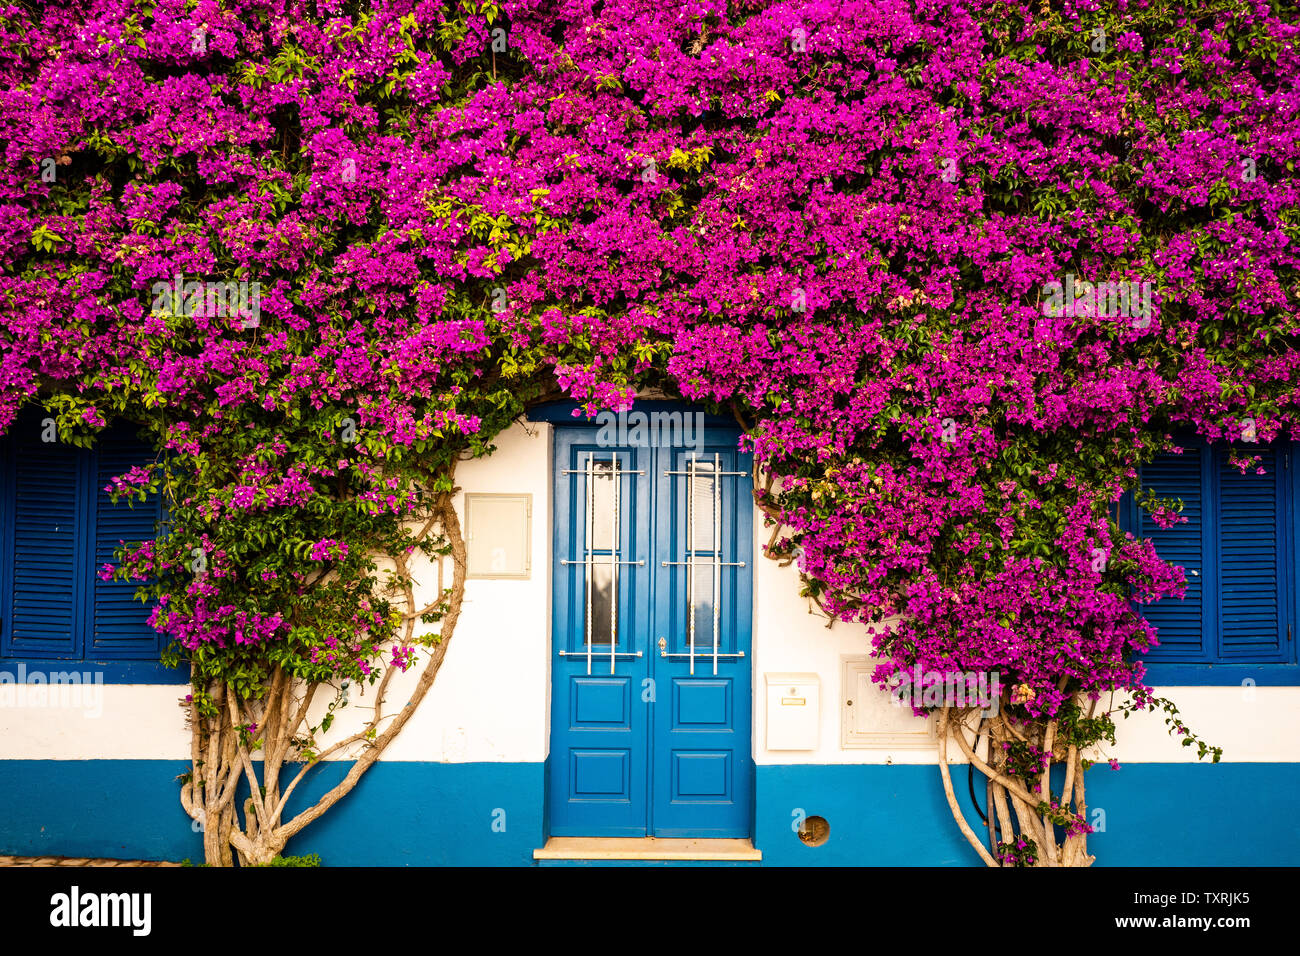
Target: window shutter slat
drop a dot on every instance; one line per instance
(1179, 624)
(46, 545)
(1250, 533)
(120, 627)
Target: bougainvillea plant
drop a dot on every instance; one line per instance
(958, 269)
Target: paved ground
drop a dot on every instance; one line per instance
(74, 861)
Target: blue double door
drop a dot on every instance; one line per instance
(651, 696)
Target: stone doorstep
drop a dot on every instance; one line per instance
(557, 848)
(647, 848)
(76, 861)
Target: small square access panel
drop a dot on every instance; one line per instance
(701, 776)
(498, 535)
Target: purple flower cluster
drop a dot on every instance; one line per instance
(837, 219)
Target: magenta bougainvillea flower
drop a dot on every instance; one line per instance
(958, 268)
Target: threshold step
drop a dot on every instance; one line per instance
(648, 848)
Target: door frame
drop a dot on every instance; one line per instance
(560, 414)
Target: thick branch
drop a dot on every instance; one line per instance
(1012, 786)
(254, 787)
(1046, 784)
(952, 798)
(451, 527)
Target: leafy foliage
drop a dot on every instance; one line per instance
(842, 220)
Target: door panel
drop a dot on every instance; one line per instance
(598, 727)
(656, 740)
(703, 767)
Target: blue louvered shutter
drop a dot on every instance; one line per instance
(45, 619)
(120, 628)
(1180, 624)
(1251, 539)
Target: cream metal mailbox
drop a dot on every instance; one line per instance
(793, 711)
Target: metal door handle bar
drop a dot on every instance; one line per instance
(582, 471)
(613, 566)
(618, 653)
(592, 562)
(694, 474)
(691, 654)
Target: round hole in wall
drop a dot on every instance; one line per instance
(815, 831)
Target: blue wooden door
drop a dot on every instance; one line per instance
(650, 713)
(599, 774)
(703, 770)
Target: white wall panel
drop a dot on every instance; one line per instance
(1251, 725)
(491, 701)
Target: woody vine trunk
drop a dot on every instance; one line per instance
(223, 751)
(1023, 815)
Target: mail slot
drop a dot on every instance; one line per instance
(793, 711)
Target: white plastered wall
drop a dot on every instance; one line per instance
(1255, 724)
(491, 699)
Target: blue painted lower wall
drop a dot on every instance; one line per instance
(491, 814)
(400, 814)
(1236, 814)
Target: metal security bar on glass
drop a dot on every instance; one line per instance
(589, 560)
(690, 563)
